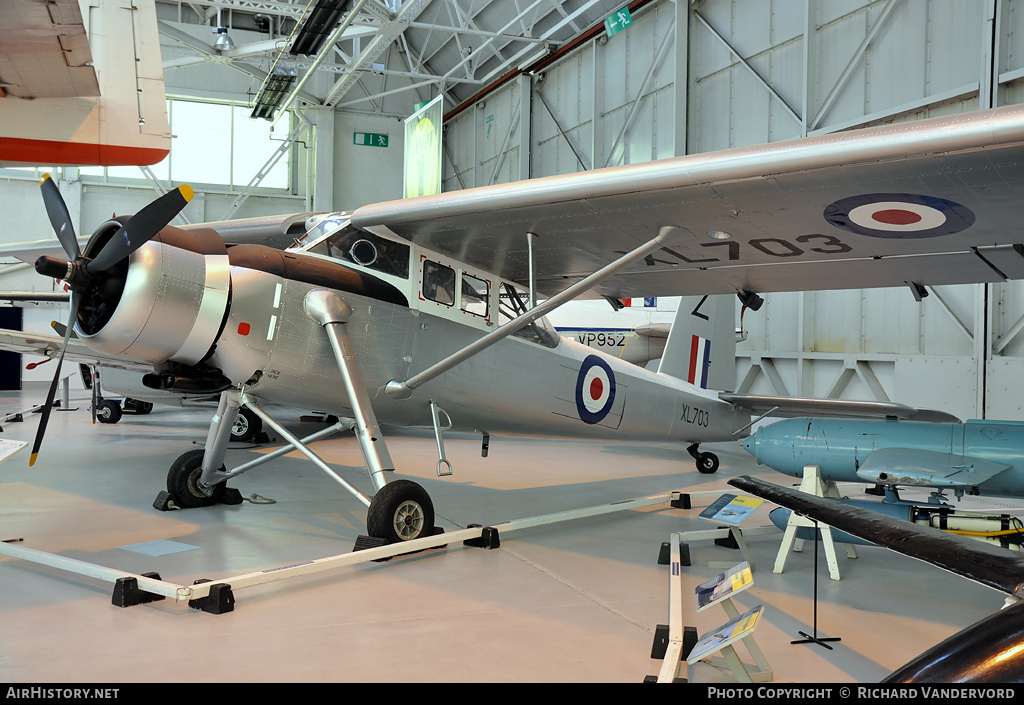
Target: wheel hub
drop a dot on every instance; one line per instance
(409, 520)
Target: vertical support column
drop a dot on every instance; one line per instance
(533, 270)
(982, 344)
(323, 158)
(810, 52)
(525, 126)
(988, 94)
(682, 77)
(332, 313)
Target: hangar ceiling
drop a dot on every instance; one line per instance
(377, 56)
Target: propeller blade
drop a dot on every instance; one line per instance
(59, 216)
(44, 416)
(142, 227)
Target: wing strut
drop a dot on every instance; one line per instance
(402, 390)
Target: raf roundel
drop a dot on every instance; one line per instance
(595, 390)
(899, 215)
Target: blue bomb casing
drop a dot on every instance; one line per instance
(976, 456)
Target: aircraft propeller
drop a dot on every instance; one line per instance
(83, 273)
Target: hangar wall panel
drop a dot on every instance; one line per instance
(756, 71)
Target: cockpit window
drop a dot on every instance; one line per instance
(512, 306)
(365, 249)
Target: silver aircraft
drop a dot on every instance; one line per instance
(426, 312)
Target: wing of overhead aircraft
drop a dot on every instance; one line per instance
(81, 90)
(989, 650)
(921, 203)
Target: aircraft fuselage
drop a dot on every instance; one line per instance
(978, 453)
(410, 308)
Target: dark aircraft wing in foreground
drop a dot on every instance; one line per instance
(991, 650)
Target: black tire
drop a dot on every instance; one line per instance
(138, 406)
(247, 424)
(108, 411)
(401, 511)
(183, 478)
(707, 463)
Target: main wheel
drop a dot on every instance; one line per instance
(707, 463)
(138, 406)
(183, 481)
(401, 511)
(108, 411)
(247, 424)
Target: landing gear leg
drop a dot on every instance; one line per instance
(707, 463)
(195, 479)
(401, 510)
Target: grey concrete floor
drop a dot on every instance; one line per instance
(577, 601)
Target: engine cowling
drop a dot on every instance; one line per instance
(167, 302)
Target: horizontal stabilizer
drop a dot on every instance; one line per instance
(926, 468)
(983, 563)
(840, 408)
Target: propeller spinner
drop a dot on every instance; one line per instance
(84, 273)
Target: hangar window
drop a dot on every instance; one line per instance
(217, 144)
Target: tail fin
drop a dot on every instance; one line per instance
(701, 347)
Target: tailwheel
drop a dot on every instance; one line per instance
(707, 463)
(183, 482)
(247, 424)
(400, 511)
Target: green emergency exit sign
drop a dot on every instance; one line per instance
(617, 21)
(370, 139)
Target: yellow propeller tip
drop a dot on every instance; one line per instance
(187, 192)
(32, 459)
(44, 178)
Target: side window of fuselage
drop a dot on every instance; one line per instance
(511, 305)
(438, 283)
(475, 293)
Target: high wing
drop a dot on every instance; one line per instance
(838, 408)
(81, 90)
(920, 203)
(984, 563)
(926, 468)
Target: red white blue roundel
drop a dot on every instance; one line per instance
(899, 215)
(595, 389)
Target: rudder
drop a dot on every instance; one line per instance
(701, 346)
